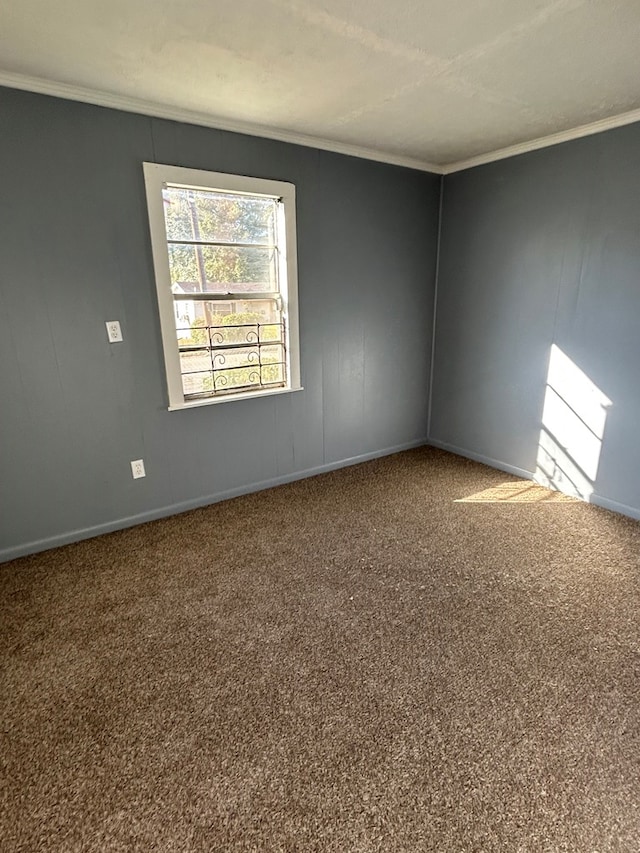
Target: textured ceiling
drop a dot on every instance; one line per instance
(435, 81)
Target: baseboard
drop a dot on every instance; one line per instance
(596, 500)
(184, 506)
(614, 506)
(478, 457)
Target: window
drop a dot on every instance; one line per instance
(224, 251)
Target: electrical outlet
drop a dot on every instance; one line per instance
(113, 331)
(137, 469)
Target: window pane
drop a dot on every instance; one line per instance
(218, 217)
(232, 369)
(219, 269)
(247, 366)
(223, 353)
(190, 336)
(197, 384)
(195, 361)
(197, 319)
(272, 365)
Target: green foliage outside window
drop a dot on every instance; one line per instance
(219, 218)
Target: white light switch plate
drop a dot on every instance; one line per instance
(113, 331)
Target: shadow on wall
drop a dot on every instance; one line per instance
(573, 423)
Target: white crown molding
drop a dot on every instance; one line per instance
(149, 108)
(543, 142)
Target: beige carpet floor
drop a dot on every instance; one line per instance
(369, 660)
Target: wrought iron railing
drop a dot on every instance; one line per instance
(232, 358)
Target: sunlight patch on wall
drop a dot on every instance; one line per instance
(517, 493)
(573, 422)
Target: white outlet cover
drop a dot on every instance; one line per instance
(113, 331)
(137, 469)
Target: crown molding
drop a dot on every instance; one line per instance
(150, 108)
(543, 142)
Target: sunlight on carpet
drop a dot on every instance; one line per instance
(522, 492)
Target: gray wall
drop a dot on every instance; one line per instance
(539, 249)
(75, 252)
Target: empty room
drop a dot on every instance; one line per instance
(319, 440)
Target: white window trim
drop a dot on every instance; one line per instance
(156, 176)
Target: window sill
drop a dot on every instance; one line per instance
(228, 398)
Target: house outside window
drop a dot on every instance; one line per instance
(224, 250)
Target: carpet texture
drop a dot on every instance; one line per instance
(361, 661)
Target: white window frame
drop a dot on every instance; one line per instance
(156, 177)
